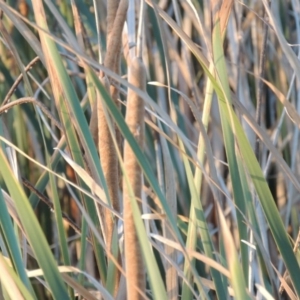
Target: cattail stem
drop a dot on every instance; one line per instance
(114, 42)
(103, 134)
(112, 7)
(98, 124)
(135, 121)
(109, 162)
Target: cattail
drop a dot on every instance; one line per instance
(114, 42)
(103, 137)
(112, 7)
(115, 23)
(98, 124)
(135, 121)
(112, 60)
(115, 19)
(109, 162)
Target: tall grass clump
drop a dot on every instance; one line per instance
(149, 149)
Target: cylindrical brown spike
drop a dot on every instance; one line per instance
(135, 121)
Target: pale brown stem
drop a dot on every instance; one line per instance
(104, 135)
(114, 40)
(135, 121)
(109, 162)
(112, 7)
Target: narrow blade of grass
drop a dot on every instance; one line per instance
(34, 233)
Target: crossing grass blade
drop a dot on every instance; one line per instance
(229, 141)
(33, 231)
(7, 232)
(11, 283)
(237, 279)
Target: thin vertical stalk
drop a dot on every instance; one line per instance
(260, 86)
(135, 121)
(229, 132)
(98, 125)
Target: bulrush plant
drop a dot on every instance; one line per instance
(134, 266)
(183, 209)
(116, 12)
(105, 133)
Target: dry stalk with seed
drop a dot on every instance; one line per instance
(135, 121)
(112, 7)
(113, 61)
(98, 125)
(109, 162)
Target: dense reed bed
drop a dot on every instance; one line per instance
(149, 149)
